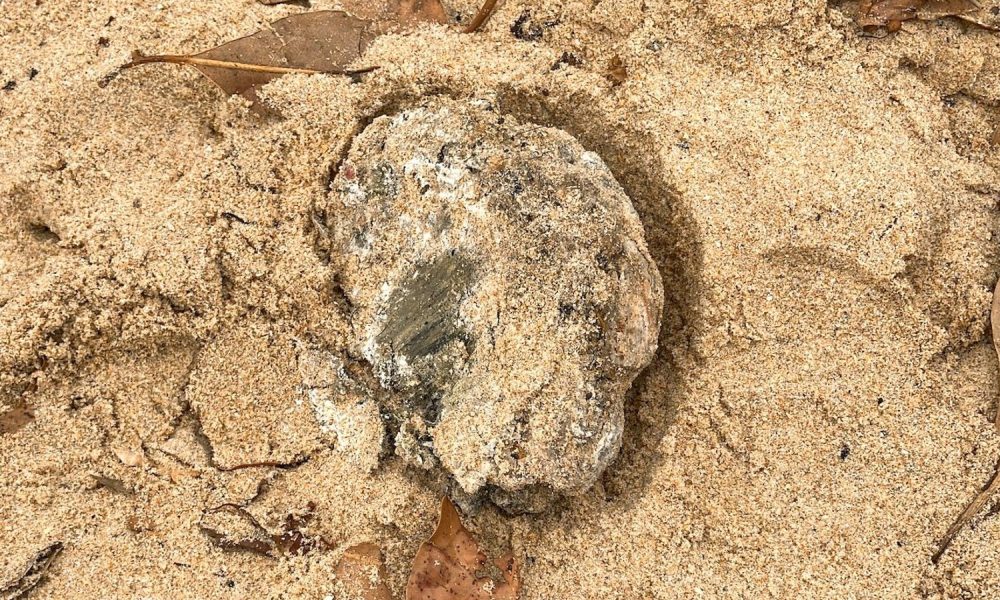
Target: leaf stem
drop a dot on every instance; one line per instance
(995, 332)
(481, 17)
(970, 511)
(185, 59)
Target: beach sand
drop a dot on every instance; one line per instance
(821, 204)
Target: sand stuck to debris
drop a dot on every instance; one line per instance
(822, 207)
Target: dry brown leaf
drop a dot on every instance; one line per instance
(33, 573)
(890, 14)
(446, 566)
(315, 42)
(324, 41)
(420, 11)
(361, 570)
(15, 419)
(873, 14)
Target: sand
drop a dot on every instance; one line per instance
(822, 206)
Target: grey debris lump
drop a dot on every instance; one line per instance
(502, 293)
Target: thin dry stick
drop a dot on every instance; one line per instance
(994, 484)
(183, 59)
(481, 16)
(970, 511)
(995, 326)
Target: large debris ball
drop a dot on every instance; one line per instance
(502, 292)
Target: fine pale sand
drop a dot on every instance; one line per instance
(822, 206)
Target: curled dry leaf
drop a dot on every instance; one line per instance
(361, 572)
(446, 566)
(890, 14)
(33, 573)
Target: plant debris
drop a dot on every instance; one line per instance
(270, 464)
(995, 330)
(15, 419)
(292, 540)
(232, 527)
(311, 43)
(116, 486)
(481, 17)
(314, 42)
(361, 571)
(446, 566)
(890, 14)
(980, 499)
(978, 502)
(617, 72)
(33, 574)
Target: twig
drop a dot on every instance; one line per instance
(994, 484)
(298, 462)
(970, 511)
(995, 329)
(184, 59)
(481, 17)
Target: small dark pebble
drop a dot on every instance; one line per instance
(103, 42)
(32, 73)
(845, 452)
(10, 85)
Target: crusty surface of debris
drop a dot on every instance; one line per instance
(503, 295)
